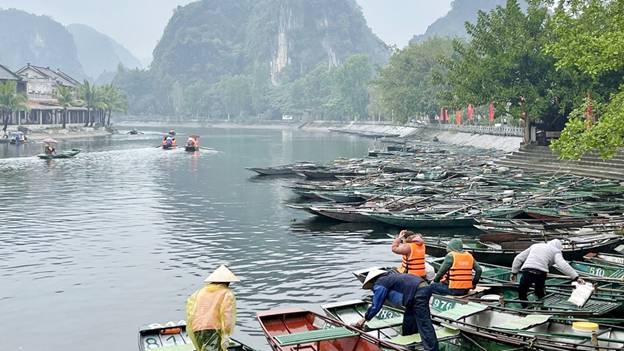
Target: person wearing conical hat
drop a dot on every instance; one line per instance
(211, 312)
(407, 290)
(457, 271)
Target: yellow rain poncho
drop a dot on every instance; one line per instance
(211, 316)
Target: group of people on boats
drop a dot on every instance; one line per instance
(211, 310)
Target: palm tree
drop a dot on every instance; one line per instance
(113, 100)
(65, 98)
(10, 101)
(88, 94)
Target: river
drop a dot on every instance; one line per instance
(96, 246)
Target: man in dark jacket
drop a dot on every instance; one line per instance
(406, 290)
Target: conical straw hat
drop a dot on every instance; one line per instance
(372, 274)
(222, 275)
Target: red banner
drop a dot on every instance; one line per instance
(491, 111)
(470, 112)
(458, 117)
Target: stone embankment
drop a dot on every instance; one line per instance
(501, 141)
(543, 159)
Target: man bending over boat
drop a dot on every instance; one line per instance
(534, 263)
(211, 312)
(406, 290)
(456, 270)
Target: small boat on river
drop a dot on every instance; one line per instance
(63, 154)
(292, 329)
(192, 143)
(172, 336)
(503, 253)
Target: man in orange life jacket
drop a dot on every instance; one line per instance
(457, 267)
(413, 251)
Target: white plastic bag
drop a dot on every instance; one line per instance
(581, 293)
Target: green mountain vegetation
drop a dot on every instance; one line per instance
(99, 54)
(27, 38)
(453, 24)
(259, 58)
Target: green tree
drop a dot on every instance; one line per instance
(350, 86)
(10, 102)
(89, 94)
(503, 62)
(589, 37)
(65, 98)
(410, 83)
(113, 101)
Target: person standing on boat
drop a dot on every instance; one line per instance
(411, 292)
(457, 271)
(534, 263)
(211, 312)
(412, 247)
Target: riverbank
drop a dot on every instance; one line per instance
(507, 143)
(40, 132)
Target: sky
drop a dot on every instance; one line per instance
(139, 24)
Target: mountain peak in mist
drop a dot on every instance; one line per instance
(99, 53)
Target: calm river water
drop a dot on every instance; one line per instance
(94, 247)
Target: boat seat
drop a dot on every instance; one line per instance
(525, 322)
(378, 323)
(461, 310)
(314, 335)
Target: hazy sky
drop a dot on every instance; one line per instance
(138, 24)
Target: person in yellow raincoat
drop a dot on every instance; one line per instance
(211, 312)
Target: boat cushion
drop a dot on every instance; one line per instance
(524, 322)
(462, 310)
(314, 335)
(441, 333)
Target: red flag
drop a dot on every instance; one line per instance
(445, 115)
(491, 111)
(458, 117)
(470, 111)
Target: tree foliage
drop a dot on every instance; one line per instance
(407, 85)
(595, 31)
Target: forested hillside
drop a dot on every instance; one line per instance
(259, 58)
(453, 24)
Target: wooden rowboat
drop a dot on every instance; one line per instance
(172, 336)
(63, 154)
(297, 329)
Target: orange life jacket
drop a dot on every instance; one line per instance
(415, 263)
(460, 274)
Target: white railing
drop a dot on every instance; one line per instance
(493, 130)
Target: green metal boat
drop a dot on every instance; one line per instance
(386, 326)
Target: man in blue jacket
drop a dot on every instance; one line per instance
(406, 290)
